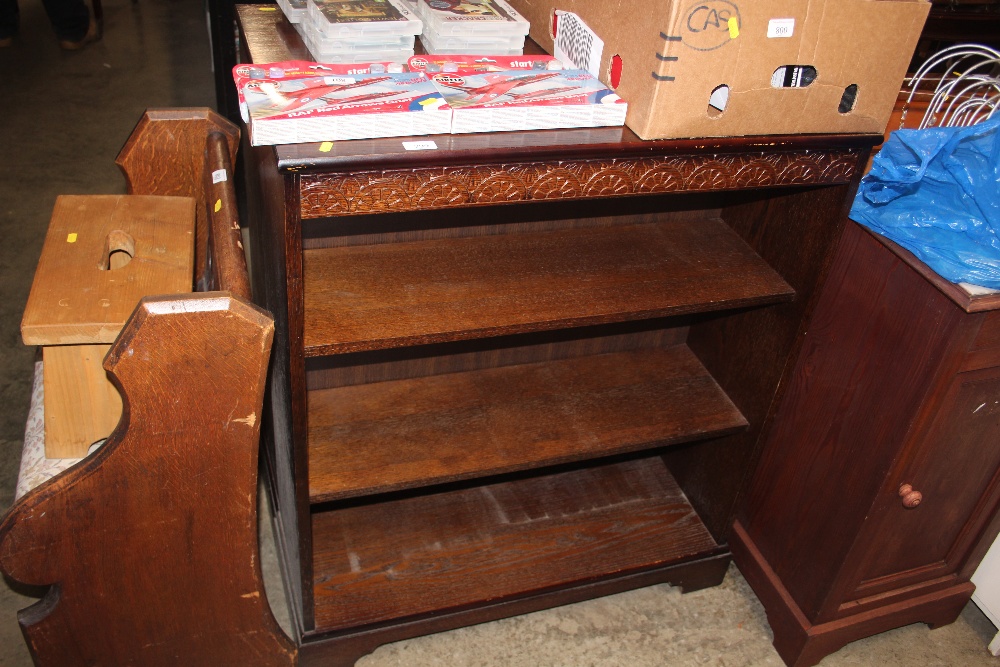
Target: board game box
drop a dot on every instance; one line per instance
(366, 49)
(473, 63)
(465, 17)
(351, 18)
(528, 100)
(476, 44)
(336, 102)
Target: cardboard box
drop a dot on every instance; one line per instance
(667, 58)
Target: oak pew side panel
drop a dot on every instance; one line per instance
(149, 546)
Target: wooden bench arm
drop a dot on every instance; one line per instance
(151, 543)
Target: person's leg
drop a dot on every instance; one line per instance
(70, 19)
(9, 18)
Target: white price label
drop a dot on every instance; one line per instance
(219, 176)
(420, 145)
(777, 28)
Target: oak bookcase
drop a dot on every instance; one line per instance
(523, 369)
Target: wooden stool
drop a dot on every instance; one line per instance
(102, 253)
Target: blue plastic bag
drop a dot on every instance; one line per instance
(936, 192)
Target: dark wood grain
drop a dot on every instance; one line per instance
(985, 352)
(837, 403)
(363, 298)
(396, 435)
(379, 562)
(911, 322)
(392, 227)
(968, 302)
(794, 231)
(267, 36)
(397, 364)
(764, 154)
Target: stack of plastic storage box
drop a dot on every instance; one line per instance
(487, 27)
(295, 10)
(359, 31)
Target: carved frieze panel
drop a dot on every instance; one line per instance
(324, 195)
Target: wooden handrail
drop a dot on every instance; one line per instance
(227, 265)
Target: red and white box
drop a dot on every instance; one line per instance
(337, 102)
(528, 100)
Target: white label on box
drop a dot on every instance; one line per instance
(577, 46)
(780, 28)
(219, 175)
(420, 145)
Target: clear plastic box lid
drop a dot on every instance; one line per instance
(399, 56)
(329, 52)
(474, 44)
(431, 48)
(465, 17)
(345, 18)
(362, 42)
(294, 10)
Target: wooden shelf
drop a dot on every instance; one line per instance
(389, 436)
(417, 555)
(431, 291)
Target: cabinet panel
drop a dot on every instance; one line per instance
(890, 390)
(862, 375)
(953, 468)
(985, 350)
(988, 337)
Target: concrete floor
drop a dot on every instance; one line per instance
(66, 117)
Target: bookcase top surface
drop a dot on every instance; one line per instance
(270, 38)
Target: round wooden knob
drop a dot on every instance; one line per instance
(911, 498)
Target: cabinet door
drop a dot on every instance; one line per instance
(953, 466)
